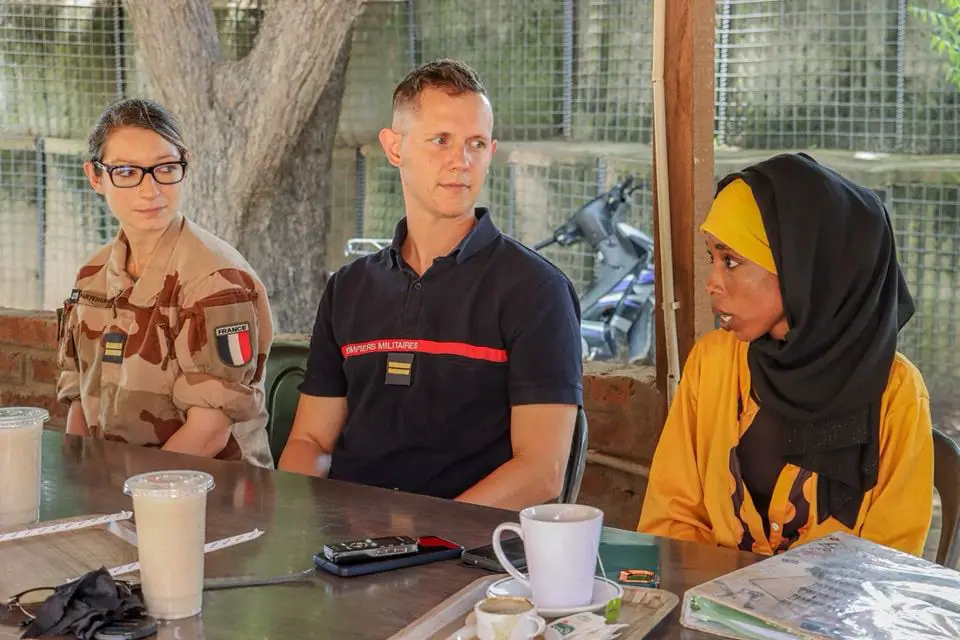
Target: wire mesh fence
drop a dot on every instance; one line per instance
(61, 63)
(584, 71)
(833, 74)
(380, 55)
(529, 194)
(927, 224)
(570, 85)
(51, 221)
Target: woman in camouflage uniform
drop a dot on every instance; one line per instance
(164, 338)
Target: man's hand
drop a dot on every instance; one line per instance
(541, 435)
(316, 427)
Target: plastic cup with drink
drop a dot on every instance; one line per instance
(21, 444)
(170, 510)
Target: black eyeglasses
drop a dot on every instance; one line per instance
(126, 176)
(39, 594)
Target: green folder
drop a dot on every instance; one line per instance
(622, 550)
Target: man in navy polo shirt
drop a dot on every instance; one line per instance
(449, 363)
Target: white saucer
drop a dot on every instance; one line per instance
(468, 632)
(604, 590)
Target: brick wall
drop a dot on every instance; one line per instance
(28, 364)
(625, 415)
(624, 411)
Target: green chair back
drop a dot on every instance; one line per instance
(285, 370)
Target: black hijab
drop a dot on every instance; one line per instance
(845, 300)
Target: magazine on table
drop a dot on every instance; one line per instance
(839, 587)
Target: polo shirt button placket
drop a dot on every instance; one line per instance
(411, 307)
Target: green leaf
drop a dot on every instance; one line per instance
(612, 613)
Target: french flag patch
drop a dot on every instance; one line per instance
(233, 344)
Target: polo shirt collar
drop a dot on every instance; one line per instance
(484, 232)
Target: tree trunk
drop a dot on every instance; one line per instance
(286, 228)
(261, 132)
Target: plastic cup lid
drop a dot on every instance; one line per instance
(169, 484)
(13, 417)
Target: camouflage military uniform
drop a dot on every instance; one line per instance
(193, 331)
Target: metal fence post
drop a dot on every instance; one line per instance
(512, 199)
(901, 64)
(119, 50)
(567, 72)
(360, 189)
(723, 61)
(412, 34)
(41, 186)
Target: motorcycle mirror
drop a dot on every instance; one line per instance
(622, 191)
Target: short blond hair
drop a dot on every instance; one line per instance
(452, 76)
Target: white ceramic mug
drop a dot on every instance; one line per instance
(560, 542)
(507, 618)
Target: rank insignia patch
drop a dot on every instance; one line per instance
(113, 347)
(399, 369)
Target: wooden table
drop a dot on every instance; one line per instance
(299, 514)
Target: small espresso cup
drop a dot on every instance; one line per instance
(560, 543)
(507, 618)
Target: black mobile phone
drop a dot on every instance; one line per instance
(355, 551)
(430, 549)
(484, 557)
(133, 629)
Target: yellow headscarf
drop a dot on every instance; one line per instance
(735, 220)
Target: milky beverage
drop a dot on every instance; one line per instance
(170, 512)
(506, 605)
(507, 618)
(21, 435)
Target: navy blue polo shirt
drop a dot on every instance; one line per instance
(431, 365)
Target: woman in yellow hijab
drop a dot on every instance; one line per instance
(798, 418)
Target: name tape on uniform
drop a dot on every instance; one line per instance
(474, 352)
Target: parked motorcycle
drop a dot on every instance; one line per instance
(618, 306)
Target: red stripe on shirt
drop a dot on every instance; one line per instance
(245, 351)
(425, 346)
